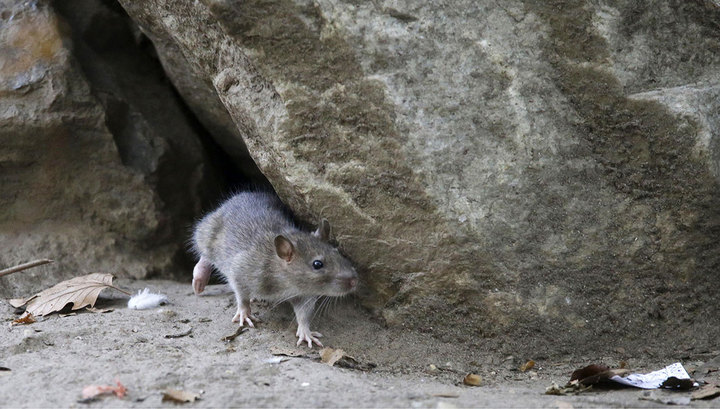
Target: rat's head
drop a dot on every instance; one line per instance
(314, 266)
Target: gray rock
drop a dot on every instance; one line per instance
(99, 167)
(541, 169)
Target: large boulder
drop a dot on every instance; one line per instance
(540, 169)
(100, 168)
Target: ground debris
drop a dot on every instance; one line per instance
(595, 374)
(234, 335)
(527, 366)
(178, 396)
(571, 388)
(678, 384)
(25, 319)
(338, 357)
(472, 379)
(100, 310)
(709, 391)
(92, 392)
(80, 291)
(181, 334)
(330, 356)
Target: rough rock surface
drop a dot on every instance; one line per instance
(543, 169)
(99, 168)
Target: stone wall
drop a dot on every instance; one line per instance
(101, 168)
(535, 175)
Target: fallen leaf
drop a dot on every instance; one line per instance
(238, 331)
(330, 356)
(594, 374)
(588, 371)
(527, 366)
(177, 396)
(79, 291)
(709, 391)
(338, 357)
(19, 302)
(5, 369)
(472, 379)
(25, 319)
(93, 391)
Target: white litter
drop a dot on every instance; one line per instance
(144, 300)
(655, 379)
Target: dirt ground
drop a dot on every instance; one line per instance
(49, 362)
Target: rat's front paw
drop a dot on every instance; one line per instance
(305, 335)
(243, 316)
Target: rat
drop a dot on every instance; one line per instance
(251, 240)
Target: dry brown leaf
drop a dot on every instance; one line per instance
(527, 366)
(19, 302)
(330, 356)
(174, 395)
(25, 319)
(93, 391)
(472, 379)
(79, 291)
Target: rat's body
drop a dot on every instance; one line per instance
(252, 242)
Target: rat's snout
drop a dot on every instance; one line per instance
(350, 283)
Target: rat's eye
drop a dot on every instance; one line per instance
(317, 264)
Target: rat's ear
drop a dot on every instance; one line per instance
(323, 230)
(284, 248)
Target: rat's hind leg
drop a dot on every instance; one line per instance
(201, 275)
(243, 314)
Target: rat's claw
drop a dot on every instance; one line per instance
(309, 337)
(243, 317)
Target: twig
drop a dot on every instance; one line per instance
(180, 335)
(25, 266)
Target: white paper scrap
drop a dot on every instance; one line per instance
(653, 380)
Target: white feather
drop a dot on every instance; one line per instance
(144, 300)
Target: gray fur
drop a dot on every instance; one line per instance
(239, 238)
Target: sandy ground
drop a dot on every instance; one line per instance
(51, 361)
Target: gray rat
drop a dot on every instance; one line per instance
(253, 243)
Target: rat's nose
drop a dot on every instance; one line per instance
(353, 282)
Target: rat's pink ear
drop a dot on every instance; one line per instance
(284, 248)
(323, 231)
